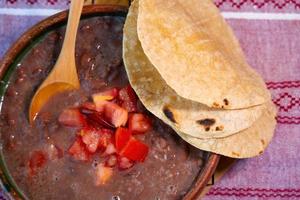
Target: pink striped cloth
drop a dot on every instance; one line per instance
(269, 32)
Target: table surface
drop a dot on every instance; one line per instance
(269, 33)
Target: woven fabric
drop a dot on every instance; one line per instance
(269, 33)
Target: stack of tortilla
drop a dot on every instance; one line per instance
(188, 69)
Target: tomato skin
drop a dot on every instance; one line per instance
(122, 136)
(135, 150)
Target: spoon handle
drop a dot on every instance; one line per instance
(68, 48)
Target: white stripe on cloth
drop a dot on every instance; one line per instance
(227, 15)
(261, 16)
(28, 12)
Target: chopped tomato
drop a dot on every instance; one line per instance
(111, 161)
(37, 160)
(110, 149)
(128, 98)
(105, 96)
(71, 117)
(122, 137)
(103, 174)
(135, 150)
(106, 138)
(54, 152)
(124, 163)
(91, 138)
(100, 99)
(78, 150)
(115, 114)
(139, 123)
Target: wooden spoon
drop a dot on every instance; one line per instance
(64, 74)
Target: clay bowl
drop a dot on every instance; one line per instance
(8, 65)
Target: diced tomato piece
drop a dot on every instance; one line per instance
(100, 99)
(110, 149)
(106, 95)
(91, 138)
(54, 152)
(111, 161)
(124, 163)
(103, 174)
(38, 159)
(106, 138)
(122, 137)
(78, 150)
(139, 123)
(71, 117)
(128, 98)
(115, 114)
(135, 150)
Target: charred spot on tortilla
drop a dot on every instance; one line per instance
(226, 102)
(206, 122)
(216, 105)
(207, 129)
(219, 128)
(169, 114)
(260, 152)
(263, 142)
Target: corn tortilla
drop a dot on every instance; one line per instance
(197, 54)
(192, 118)
(245, 144)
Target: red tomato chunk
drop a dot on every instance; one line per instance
(135, 150)
(78, 150)
(91, 138)
(139, 123)
(115, 114)
(122, 137)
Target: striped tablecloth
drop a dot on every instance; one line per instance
(269, 32)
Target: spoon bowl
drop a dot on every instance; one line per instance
(64, 74)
